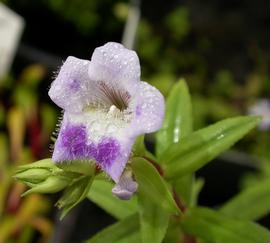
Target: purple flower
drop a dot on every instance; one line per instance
(261, 108)
(126, 186)
(106, 107)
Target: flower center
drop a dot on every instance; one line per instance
(114, 97)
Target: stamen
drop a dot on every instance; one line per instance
(119, 98)
(112, 110)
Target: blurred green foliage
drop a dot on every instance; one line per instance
(217, 93)
(170, 47)
(23, 138)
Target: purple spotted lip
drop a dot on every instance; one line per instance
(106, 106)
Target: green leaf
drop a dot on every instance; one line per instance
(138, 148)
(126, 230)
(152, 185)
(177, 124)
(101, 194)
(183, 187)
(251, 204)
(215, 227)
(74, 194)
(178, 118)
(196, 189)
(153, 220)
(202, 146)
(174, 233)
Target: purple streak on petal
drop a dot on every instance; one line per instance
(138, 110)
(108, 151)
(74, 85)
(73, 76)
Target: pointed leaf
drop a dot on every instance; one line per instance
(202, 146)
(153, 220)
(212, 226)
(183, 187)
(101, 194)
(126, 230)
(177, 124)
(152, 185)
(178, 118)
(251, 204)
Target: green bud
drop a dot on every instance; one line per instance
(45, 163)
(52, 184)
(34, 175)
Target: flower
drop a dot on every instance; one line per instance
(106, 106)
(126, 186)
(262, 108)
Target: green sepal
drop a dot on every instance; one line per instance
(74, 194)
(78, 166)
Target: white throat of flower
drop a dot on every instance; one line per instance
(108, 116)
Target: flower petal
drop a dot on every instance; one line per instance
(149, 110)
(82, 138)
(262, 108)
(115, 65)
(126, 186)
(70, 88)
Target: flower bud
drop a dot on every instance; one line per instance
(126, 186)
(45, 163)
(52, 184)
(34, 175)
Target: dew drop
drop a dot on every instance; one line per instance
(220, 136)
